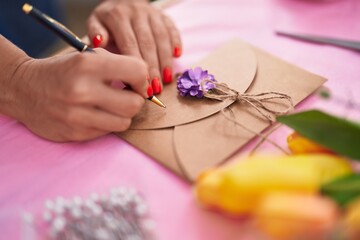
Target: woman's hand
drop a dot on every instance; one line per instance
(69, 97)
(140, 30)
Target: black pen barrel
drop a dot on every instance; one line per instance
(58, 29)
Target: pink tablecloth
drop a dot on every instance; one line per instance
(33, 170)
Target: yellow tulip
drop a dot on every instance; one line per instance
(352, 220)
(327, 166)
(289, 215)
(301, 145)
(212, 191)
(237, 188)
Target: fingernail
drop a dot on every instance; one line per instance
(150, 91)
(167, 75)
(155, 83)
(177, 52)
(97, 40)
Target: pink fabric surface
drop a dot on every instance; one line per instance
(33, 170)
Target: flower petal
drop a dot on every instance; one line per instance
(186, 83)
(204, 74)
(209, 86)
(193, 92)
(195, 74)
(212, 77)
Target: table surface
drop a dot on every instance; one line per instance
(33, 170)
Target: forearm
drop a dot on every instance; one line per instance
(10, 61)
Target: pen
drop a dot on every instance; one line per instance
(354, 45)
(67, 36)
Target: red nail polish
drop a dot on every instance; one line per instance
(155, 83)
(97, 40)
(167, 75)
(177, 52)
(150, 91)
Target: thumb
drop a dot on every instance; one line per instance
(98, 35)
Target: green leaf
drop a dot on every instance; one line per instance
(339, 135)
(343, 190)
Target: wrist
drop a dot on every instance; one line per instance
(12, 83)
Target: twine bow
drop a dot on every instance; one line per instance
(258, 101)
(222, 92)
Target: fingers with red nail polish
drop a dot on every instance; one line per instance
(150, 91)
(138, 30)
(174, 36)
(155, 83)
(97, 40)
(177, 52)
(167, 75)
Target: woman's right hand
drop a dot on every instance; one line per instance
(69, 97)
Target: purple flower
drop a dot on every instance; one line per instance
(189, 83)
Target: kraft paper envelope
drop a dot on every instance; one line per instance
(191, 134)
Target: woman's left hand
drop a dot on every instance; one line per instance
(140, 30)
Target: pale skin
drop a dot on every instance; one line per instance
(137, 29)
(69, 97)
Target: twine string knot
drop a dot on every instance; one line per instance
(259, 101)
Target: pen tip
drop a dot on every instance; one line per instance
(27, 8)
(157, 101)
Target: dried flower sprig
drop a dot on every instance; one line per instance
(189, 83)
(199, 83)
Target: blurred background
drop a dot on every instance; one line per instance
(33, 38)
(75, 14)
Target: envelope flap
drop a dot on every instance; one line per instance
(209, 142)
(234, 63)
